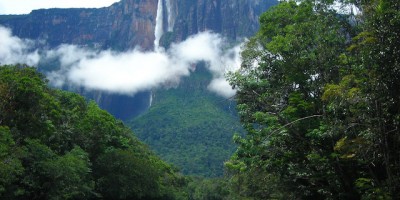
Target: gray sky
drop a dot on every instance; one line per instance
(26, 6)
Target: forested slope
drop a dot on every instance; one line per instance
(189, 126)
(55, 145)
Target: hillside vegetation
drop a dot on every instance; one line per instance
(190, 126)
(55, 145)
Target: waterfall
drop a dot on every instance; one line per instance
(158, 30)
(171, 17)
(151, 99)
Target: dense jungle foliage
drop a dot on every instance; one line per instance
(319, 96)
(178, 127)
(55, 145)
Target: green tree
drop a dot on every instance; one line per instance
(365, 105)
(123, 175)
(70, 176)
(50, 176)
(26, 104)
(288, 148)
(55, 145)
(321, 111)
(11, 168)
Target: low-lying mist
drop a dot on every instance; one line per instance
(128, 72)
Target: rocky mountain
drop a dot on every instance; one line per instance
(232, 18)
(132, 23)
(120, 26)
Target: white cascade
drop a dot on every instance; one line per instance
(158, 30)
(171, 17)
(151, 99)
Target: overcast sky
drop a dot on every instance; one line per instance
(26, 6)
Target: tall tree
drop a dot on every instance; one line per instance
(365, 105)
(321, 110)
(285, 68)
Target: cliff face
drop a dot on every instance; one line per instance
(131, 23)
(120, 26)
(232, 18)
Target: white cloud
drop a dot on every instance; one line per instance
(221, 87)
(230, 61)
(70, 54)
(15, 50)
(26, 6)
(127, 73)
(132, 71)
(202, 47)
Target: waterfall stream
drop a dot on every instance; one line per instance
(171, 17)
(151, 99)
(158, 30)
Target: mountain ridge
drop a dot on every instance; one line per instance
(128, 23)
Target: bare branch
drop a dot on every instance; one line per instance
(288, 124)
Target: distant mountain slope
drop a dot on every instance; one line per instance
(190, 127)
